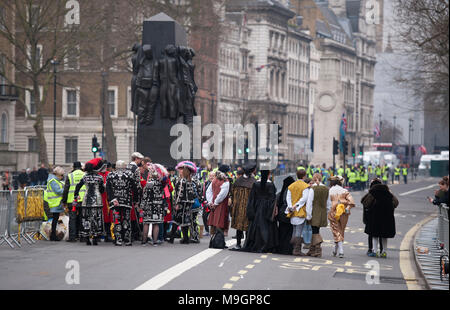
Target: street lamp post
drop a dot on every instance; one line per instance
(54, 62)
(393, 134)
(379, 116)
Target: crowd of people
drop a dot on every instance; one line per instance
(27, 177)
(357, 177)
(152, 204)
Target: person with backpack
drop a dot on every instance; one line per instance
(217, 196)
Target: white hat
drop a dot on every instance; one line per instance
(137, 155)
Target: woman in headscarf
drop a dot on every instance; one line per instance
(284, 223)
(341, 203)
(262, 233)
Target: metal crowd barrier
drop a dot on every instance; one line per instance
(21, 215)
(443, 226)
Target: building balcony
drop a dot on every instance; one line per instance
(8, 92)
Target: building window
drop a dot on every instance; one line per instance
(33, 145)
(2, 74)
(71, 101)
(71, 150)
(38, 56)
(112, 100)
(30, 101)
(71, 62)
(4, 129)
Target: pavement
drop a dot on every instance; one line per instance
(63, 265)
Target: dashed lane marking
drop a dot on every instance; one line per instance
(249, 266)
(234, 279)
(227, 285)
(242, 271)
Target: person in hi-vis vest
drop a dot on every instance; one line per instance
(72, 180)
(54, 192)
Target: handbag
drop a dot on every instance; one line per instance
(217, 241)
(196, 204)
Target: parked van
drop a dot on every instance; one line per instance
(425, 162)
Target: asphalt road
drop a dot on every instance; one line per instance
(49, 265)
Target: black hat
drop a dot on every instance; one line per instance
(249, 167)
(77, 165)
(224, 168)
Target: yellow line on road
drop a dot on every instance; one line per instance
(234, 279)
(242, 271)
(227, 285)
(250, 266)
(257, 261)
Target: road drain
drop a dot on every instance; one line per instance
(362, 277)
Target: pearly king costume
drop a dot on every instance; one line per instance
(121, 187)
(92, 205)
(153, 203)
(341, 203)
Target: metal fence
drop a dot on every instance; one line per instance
(443, 225)
(21, 215)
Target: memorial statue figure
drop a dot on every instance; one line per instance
(147, 83)
(187, 85)
(170, 89)
(137, 53)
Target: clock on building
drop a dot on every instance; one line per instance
(326, 102)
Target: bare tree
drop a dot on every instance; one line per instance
(38, 34)
(424, 36)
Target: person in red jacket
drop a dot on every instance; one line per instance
(168, 218)
(107, 214)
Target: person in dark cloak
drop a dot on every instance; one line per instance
(284, 223)
(262, 236)
(379, 206)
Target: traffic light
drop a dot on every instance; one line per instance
(280, 132)
(95, 145)
(413, 151)
(407, 151)
(345, 143)
(335, 146)
(353, 151)
(361, 150)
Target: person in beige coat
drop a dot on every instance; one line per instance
(341, 204)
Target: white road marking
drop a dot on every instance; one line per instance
(168, 275)
(418, 190)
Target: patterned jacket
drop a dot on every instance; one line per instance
(121, 186)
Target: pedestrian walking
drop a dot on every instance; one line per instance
(321, 204)
(54, 193)
(217, 196)
(379, 206)
(298, 213)
(240, 193)
(6, 180)
(341, 203)
(294, 210)
(284, 223)
(121, 189)
(72, 180)
(91, 207)
(262, 236)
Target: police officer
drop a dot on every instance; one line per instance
(352, 179)
(397, 173)
(340, 171)
(405, 174)
(53, 195)
(72, 180)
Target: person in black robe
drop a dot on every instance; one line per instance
(379, 206)
(284, 223)
(262, 236)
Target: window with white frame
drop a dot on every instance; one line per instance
(71, 61)
(112, 100)
(38, 56)
(33, 19)
(30, 101)
(71, 149)
(4, 129)
(71, 101)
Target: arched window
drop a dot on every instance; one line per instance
(4, 129)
